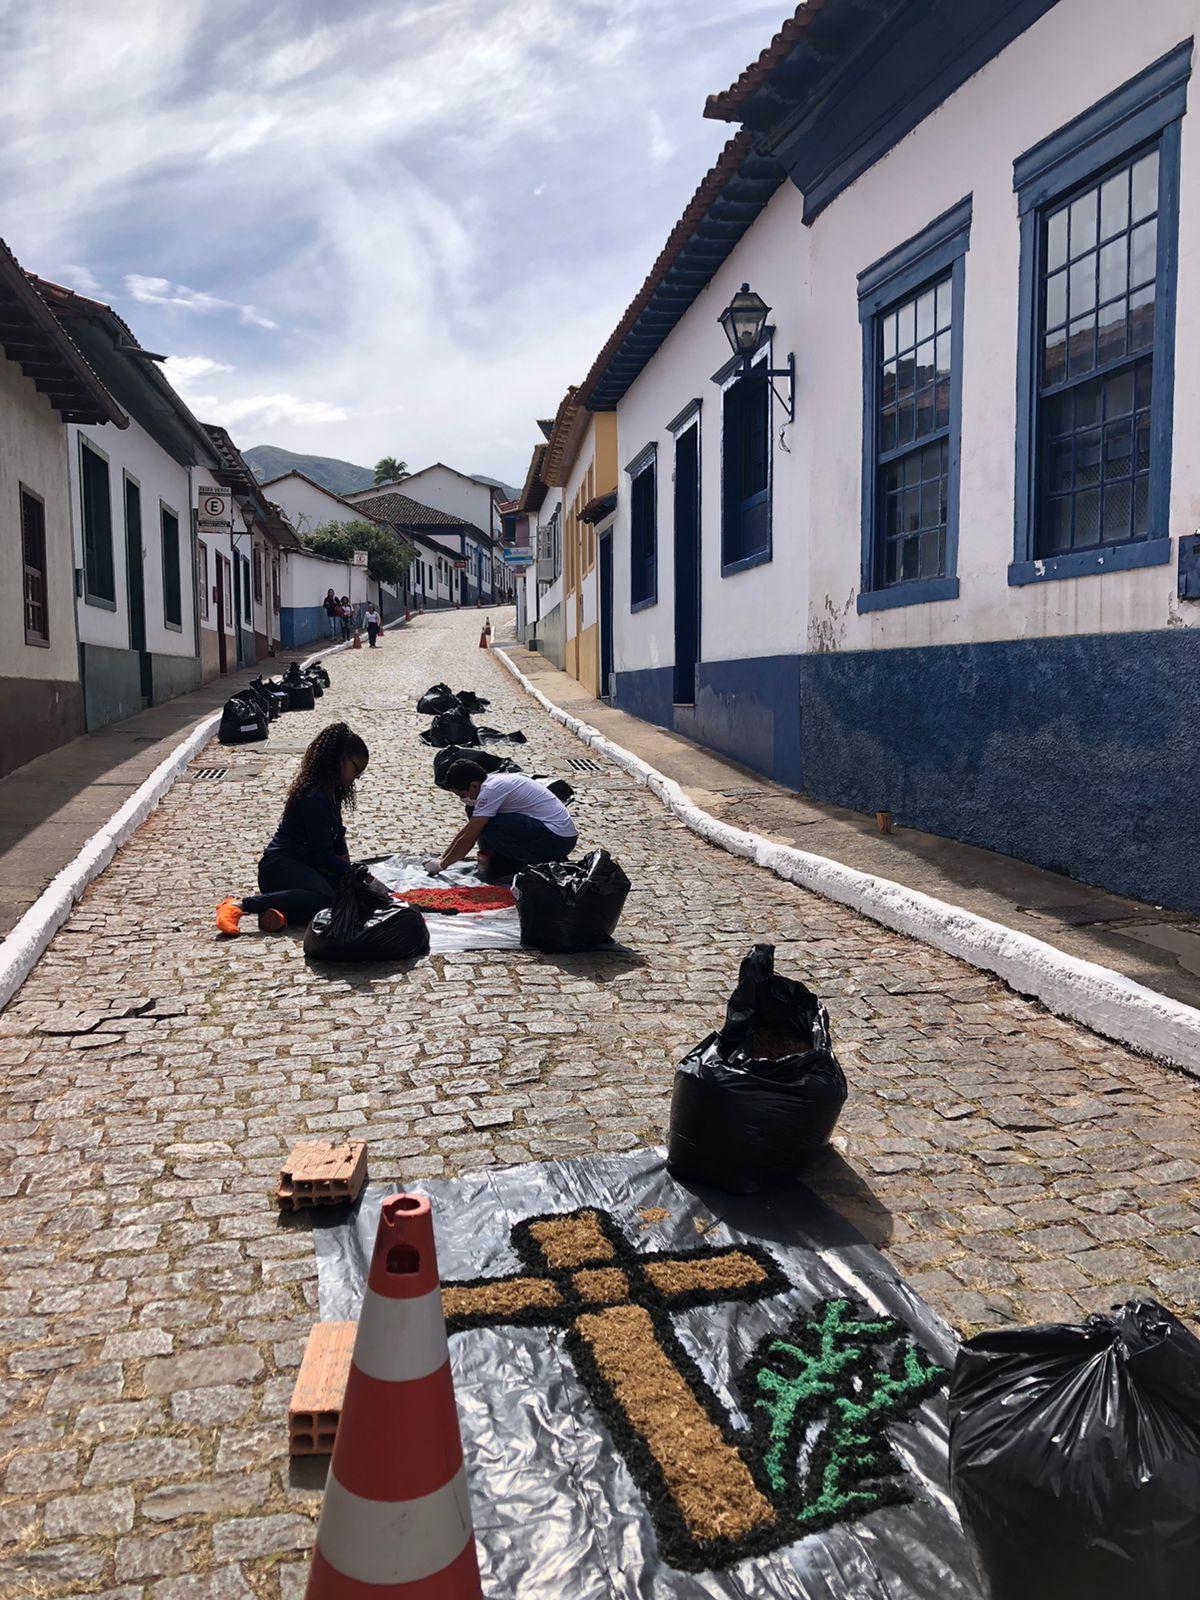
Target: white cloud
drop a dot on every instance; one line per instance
(183, 370)
(79, 278)
(662, 147)
(161, 292)
(440, 254)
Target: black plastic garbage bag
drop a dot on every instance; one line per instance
(440, 697)
(445, 759)
(1075, 1457)
(319, 670)
(262, 697)
(451, 727)
(570, 905)
(243, 720)
(301, 696)
(470, 701)
(494, 736)
(315, 684)
(364, 923)
(281, 697)
(754, 1103)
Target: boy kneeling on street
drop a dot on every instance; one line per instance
(514, 821)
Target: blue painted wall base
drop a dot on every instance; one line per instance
(1077, 754)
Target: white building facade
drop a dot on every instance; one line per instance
(961, 583)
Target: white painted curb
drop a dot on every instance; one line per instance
(21, 950)
(1103, 1000)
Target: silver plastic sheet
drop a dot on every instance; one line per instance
(469, 930)
(558, 1515)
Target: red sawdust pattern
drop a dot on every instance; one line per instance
(487, 897)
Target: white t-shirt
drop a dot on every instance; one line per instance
(511, 792)
(372, 614)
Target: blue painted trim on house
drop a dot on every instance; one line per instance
(896, 276)
(760, 558)
(919, 593)
(1089, 563)
(747, 709)
(646, 460)
(1111, 131)
(1105, 132)
(683, 419)
(301, 625)
(906, 73)
(996, 744)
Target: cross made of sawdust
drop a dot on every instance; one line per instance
(708, 1500)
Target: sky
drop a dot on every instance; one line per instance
(362, 228)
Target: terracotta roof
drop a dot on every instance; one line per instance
(546, 424)
(557, 461)
(599, 507)
(406, 512)
(133, 370)
(727, 201)
(533, 491)
(32, 336)
(234, 472)
(724, 107)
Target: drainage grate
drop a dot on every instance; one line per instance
(209, 772)
(584, 764)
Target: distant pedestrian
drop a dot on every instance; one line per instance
(346, 613)
(373, 620)
(332, 606)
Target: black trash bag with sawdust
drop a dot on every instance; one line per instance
(262, 697)
(439, 697)
(1075, 1457)
(570, 905)
(300, 691)
(756, 1102)
(243, 720)
(451, 727)
(365, 923)
(445, 759)
(470, 701)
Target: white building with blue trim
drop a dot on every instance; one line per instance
(955, 577)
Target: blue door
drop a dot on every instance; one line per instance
(687, 564)
(606, 617)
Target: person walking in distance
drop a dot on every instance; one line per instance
(373, 621)
(331, 605)
(305, 860)
(346, 613)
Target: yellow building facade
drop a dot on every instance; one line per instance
(581, 459)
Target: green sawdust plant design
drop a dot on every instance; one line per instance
(821, 1395)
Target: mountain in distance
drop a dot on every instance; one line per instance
(268, 461)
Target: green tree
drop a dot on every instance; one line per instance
(388, 469)
(388, 558)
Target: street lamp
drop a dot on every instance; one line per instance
(743, 320)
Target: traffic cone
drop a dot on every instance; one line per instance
(396, 1520)
(356, 642)
(483, 638)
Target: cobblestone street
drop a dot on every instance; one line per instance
(154, 1305)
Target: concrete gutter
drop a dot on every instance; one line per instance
(1105, 1001)
(22, 949)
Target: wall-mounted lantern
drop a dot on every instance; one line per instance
(743, 320)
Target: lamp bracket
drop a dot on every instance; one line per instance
(788, 401)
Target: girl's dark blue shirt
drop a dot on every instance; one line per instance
(311, 830)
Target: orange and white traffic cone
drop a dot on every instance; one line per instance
(396, 1520)
(483, 638)
(356, 642)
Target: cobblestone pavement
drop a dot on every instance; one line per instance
(154, 1306)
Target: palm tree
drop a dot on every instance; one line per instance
(388, 469)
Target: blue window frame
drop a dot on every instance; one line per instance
(910, 304)
(1099, 205)
(746, 469)
(643, 529)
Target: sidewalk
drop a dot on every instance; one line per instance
(51, 807)
(1160, 949)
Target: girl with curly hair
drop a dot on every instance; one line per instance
(300, 868)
